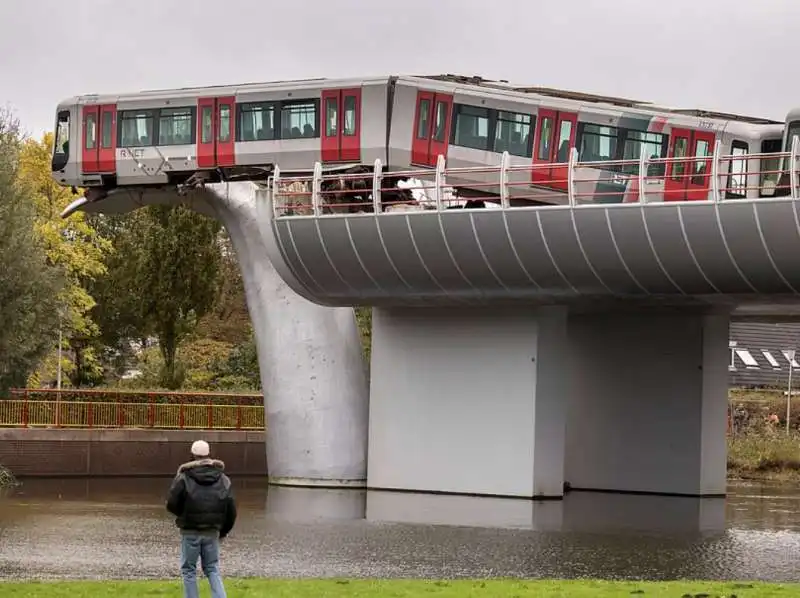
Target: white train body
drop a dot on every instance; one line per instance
(221, 133)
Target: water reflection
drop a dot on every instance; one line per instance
(119, 528)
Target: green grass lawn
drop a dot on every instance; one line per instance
(334, 588)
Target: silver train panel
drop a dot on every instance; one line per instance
(725, 252)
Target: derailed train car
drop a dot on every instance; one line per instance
(191, 135)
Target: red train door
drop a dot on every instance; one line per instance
(107, 152)
(89, 154)
(216, 132)
(341, 131)
(555, 137)
(688, 180)
(431, 134)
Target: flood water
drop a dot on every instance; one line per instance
(119, 528)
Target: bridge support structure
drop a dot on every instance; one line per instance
(521, 402)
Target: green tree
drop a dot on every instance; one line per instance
(30, 283)
(71, 245)
(168, 268)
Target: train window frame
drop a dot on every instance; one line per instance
(679, 161)
(265, 107)
(123, 116)
(440, 118)
(224, 134)
(90, 139)
(206, 132)
(699, 167)
(331, 110)
(349, 107)
(289, 104)
(614, 135)
(545, 141)
(737, 144)
(461, 110)
(423, 117)
(106, 129)
(657, 169)
(526, 148)
(168, 112)
(61, 141)
(777, 144)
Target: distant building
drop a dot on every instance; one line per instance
(758, 353)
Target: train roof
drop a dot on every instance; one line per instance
(475, 81)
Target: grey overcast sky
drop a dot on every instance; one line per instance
(730, 55)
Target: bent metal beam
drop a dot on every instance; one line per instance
(312, 367)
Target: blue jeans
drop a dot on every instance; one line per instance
(207, 549)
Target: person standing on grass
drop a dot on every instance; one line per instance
(202, 501)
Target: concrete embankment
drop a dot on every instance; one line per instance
(35, 452)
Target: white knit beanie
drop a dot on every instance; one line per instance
(200, 448)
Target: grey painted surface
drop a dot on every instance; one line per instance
(729, 253)
(648, 403)
(310, 356)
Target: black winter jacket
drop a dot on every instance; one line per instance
(201, 497)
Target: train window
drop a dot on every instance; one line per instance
(679, 151)
(136, 127)
(545, 138)
(224, 123)
(424, 118)
(106, 132)
(513, 133)
(737, 170)
(207, 125)
(349, 116)
(61, 145)
(770, 167)
(256, 121)
(440, 124)
(91, 130)
(701, 150)
(471, 127)
(598, 143)
(175, 126)
(299, 120)
(565, 132)
(652, 145)
(794, 131)
(331, 116)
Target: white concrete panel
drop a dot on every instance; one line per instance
(453, 403)
(647, 411)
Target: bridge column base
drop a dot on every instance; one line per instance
(648, 403)
(468, 401)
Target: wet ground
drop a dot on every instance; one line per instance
(119, 528)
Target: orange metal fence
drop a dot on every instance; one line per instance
(170, 416)
(133, 396)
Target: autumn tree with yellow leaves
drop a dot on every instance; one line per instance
(73, 247)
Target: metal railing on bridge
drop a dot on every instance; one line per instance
(165, 411)
(514, 184)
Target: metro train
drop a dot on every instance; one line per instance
(207, 134)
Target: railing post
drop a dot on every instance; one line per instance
(377, 177)
(151, 412)
(715, 158)
(210, 417)
(181, 415)
(573, 160)
(316, 189)
(25, 414)
(119, 412)
(90, 416)
(643, 162)
(793, 172)
(239, 415)
(276, 175)
(439, 183)
(504, 163)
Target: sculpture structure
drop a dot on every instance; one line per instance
(313, 370)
